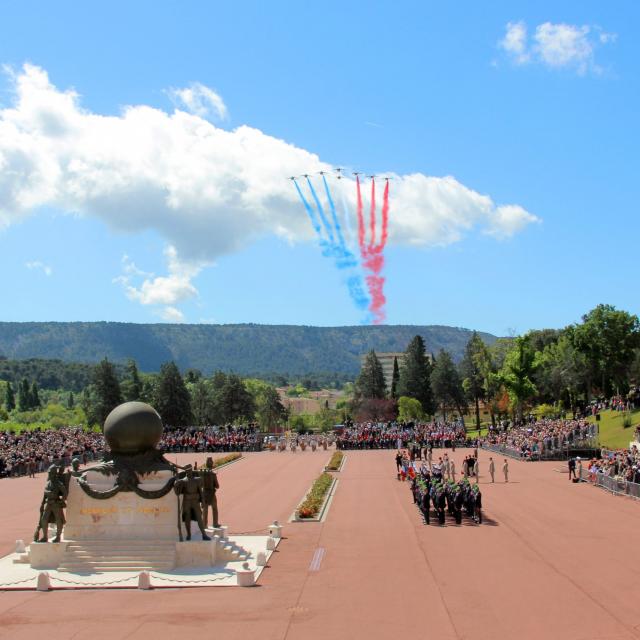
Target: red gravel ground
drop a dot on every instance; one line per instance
(554, 560)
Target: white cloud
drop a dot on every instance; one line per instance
(37, 265)
(160, 290)
(557, 46)
(515, 42)
(200, 101)
(206, 190)
(171, 314)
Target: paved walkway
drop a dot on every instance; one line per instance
(554, 560)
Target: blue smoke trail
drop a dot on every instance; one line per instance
(314, 220)
(344, 258)
(327, 226)
(334, 216)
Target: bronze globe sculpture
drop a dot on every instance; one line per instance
(132, 428)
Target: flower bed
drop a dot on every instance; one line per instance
(218, 462)
(336, 461)
(312, 504)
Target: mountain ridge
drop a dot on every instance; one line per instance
(244, 348)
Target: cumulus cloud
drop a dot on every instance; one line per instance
(200, 100)
(167, 290)
(171, 314)
(555, 46)
(39, 266)
(208, 191)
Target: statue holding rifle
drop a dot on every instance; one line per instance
(51, 509)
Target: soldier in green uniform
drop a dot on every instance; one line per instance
(210, 485)
(53, 503)
(191, 491)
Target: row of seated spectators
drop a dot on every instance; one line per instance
(34, 451)
(398, 435)
(539, 437)
(211, 438)
(30, 452)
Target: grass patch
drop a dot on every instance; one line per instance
(313, 502)
(336, 461)
(612, 432)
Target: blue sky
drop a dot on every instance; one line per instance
(529, 104)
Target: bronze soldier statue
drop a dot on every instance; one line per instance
(191, 491)
(210, 486)
(53, 503)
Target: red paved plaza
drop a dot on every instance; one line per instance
(553, 560)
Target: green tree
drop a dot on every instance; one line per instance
(235, 401)
(9, 398)
(471, 370)
(370, 382)
(132, 384)
(172, 400)
(269, 409)
(415, 375)
(395, 379)
(561, 372)
(409, 409)
(517, 374)
(70, 400)
(203, 403)
(446, 384)
(24, 395)
(35, 396)
(608, 339)
(105, 394)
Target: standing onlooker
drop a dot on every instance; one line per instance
(492, 470)
(505, 470)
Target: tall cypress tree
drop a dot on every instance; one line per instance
(132, 385)
(395, 378)
(106, 391)
(172, 400)
(370, 382)
(24, 395)
(471, 370)
(34, 396)
(447, 386)
(415, 375)
(9, 398)
(71, 401)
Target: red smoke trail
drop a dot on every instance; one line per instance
(372, 216)
(360, 220)
(373, 254)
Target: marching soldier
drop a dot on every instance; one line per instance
(505, 470)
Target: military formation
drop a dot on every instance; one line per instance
(446, 497)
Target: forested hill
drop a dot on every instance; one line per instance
(242, 348)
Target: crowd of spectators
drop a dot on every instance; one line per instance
(211, 438)
(539, 437)
(396, 435)
(621, 465)
(30, 452)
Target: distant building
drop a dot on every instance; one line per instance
(386, 360)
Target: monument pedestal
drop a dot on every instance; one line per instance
(125, 516)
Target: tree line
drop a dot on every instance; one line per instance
(564, 369)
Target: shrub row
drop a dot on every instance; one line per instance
(218, 462)
(313, 502)
(336, 461)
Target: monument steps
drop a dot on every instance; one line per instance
(116, 555)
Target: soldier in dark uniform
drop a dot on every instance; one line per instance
(210, 485)
(53, 503)
(190, 488)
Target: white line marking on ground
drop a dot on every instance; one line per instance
(316, 561)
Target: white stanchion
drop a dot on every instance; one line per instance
(44, 583)
(246, 577)
(144, 580)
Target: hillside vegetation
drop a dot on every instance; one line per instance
(244, 348)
